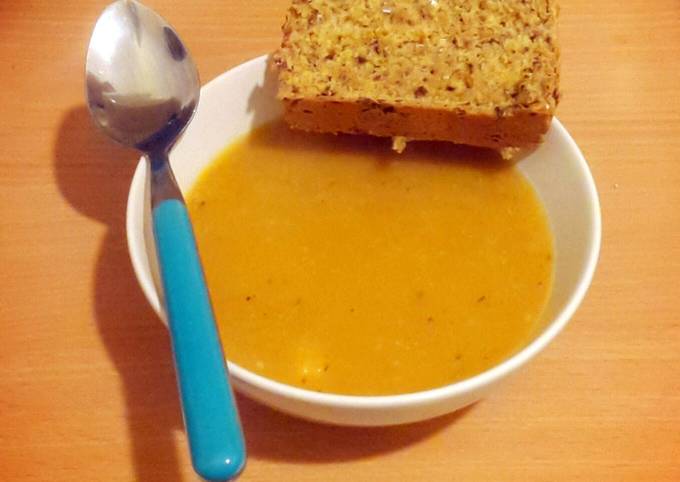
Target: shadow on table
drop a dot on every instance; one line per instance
(94, 176)
(274, 436)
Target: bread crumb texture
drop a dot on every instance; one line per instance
(488, 57)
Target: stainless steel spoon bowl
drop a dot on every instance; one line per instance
(142, 90)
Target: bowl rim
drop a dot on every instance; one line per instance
(461, 387)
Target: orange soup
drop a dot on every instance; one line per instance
(337, 265)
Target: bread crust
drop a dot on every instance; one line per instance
(521, 128)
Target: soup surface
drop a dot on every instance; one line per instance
(337, 265)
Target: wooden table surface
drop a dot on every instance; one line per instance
(87, 389)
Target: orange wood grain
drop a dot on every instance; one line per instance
(86, 384)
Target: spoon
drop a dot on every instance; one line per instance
(142, 91)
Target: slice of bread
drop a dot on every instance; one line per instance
(478, 72)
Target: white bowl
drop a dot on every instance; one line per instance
(243, 98)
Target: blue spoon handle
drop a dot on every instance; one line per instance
(210, 415)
